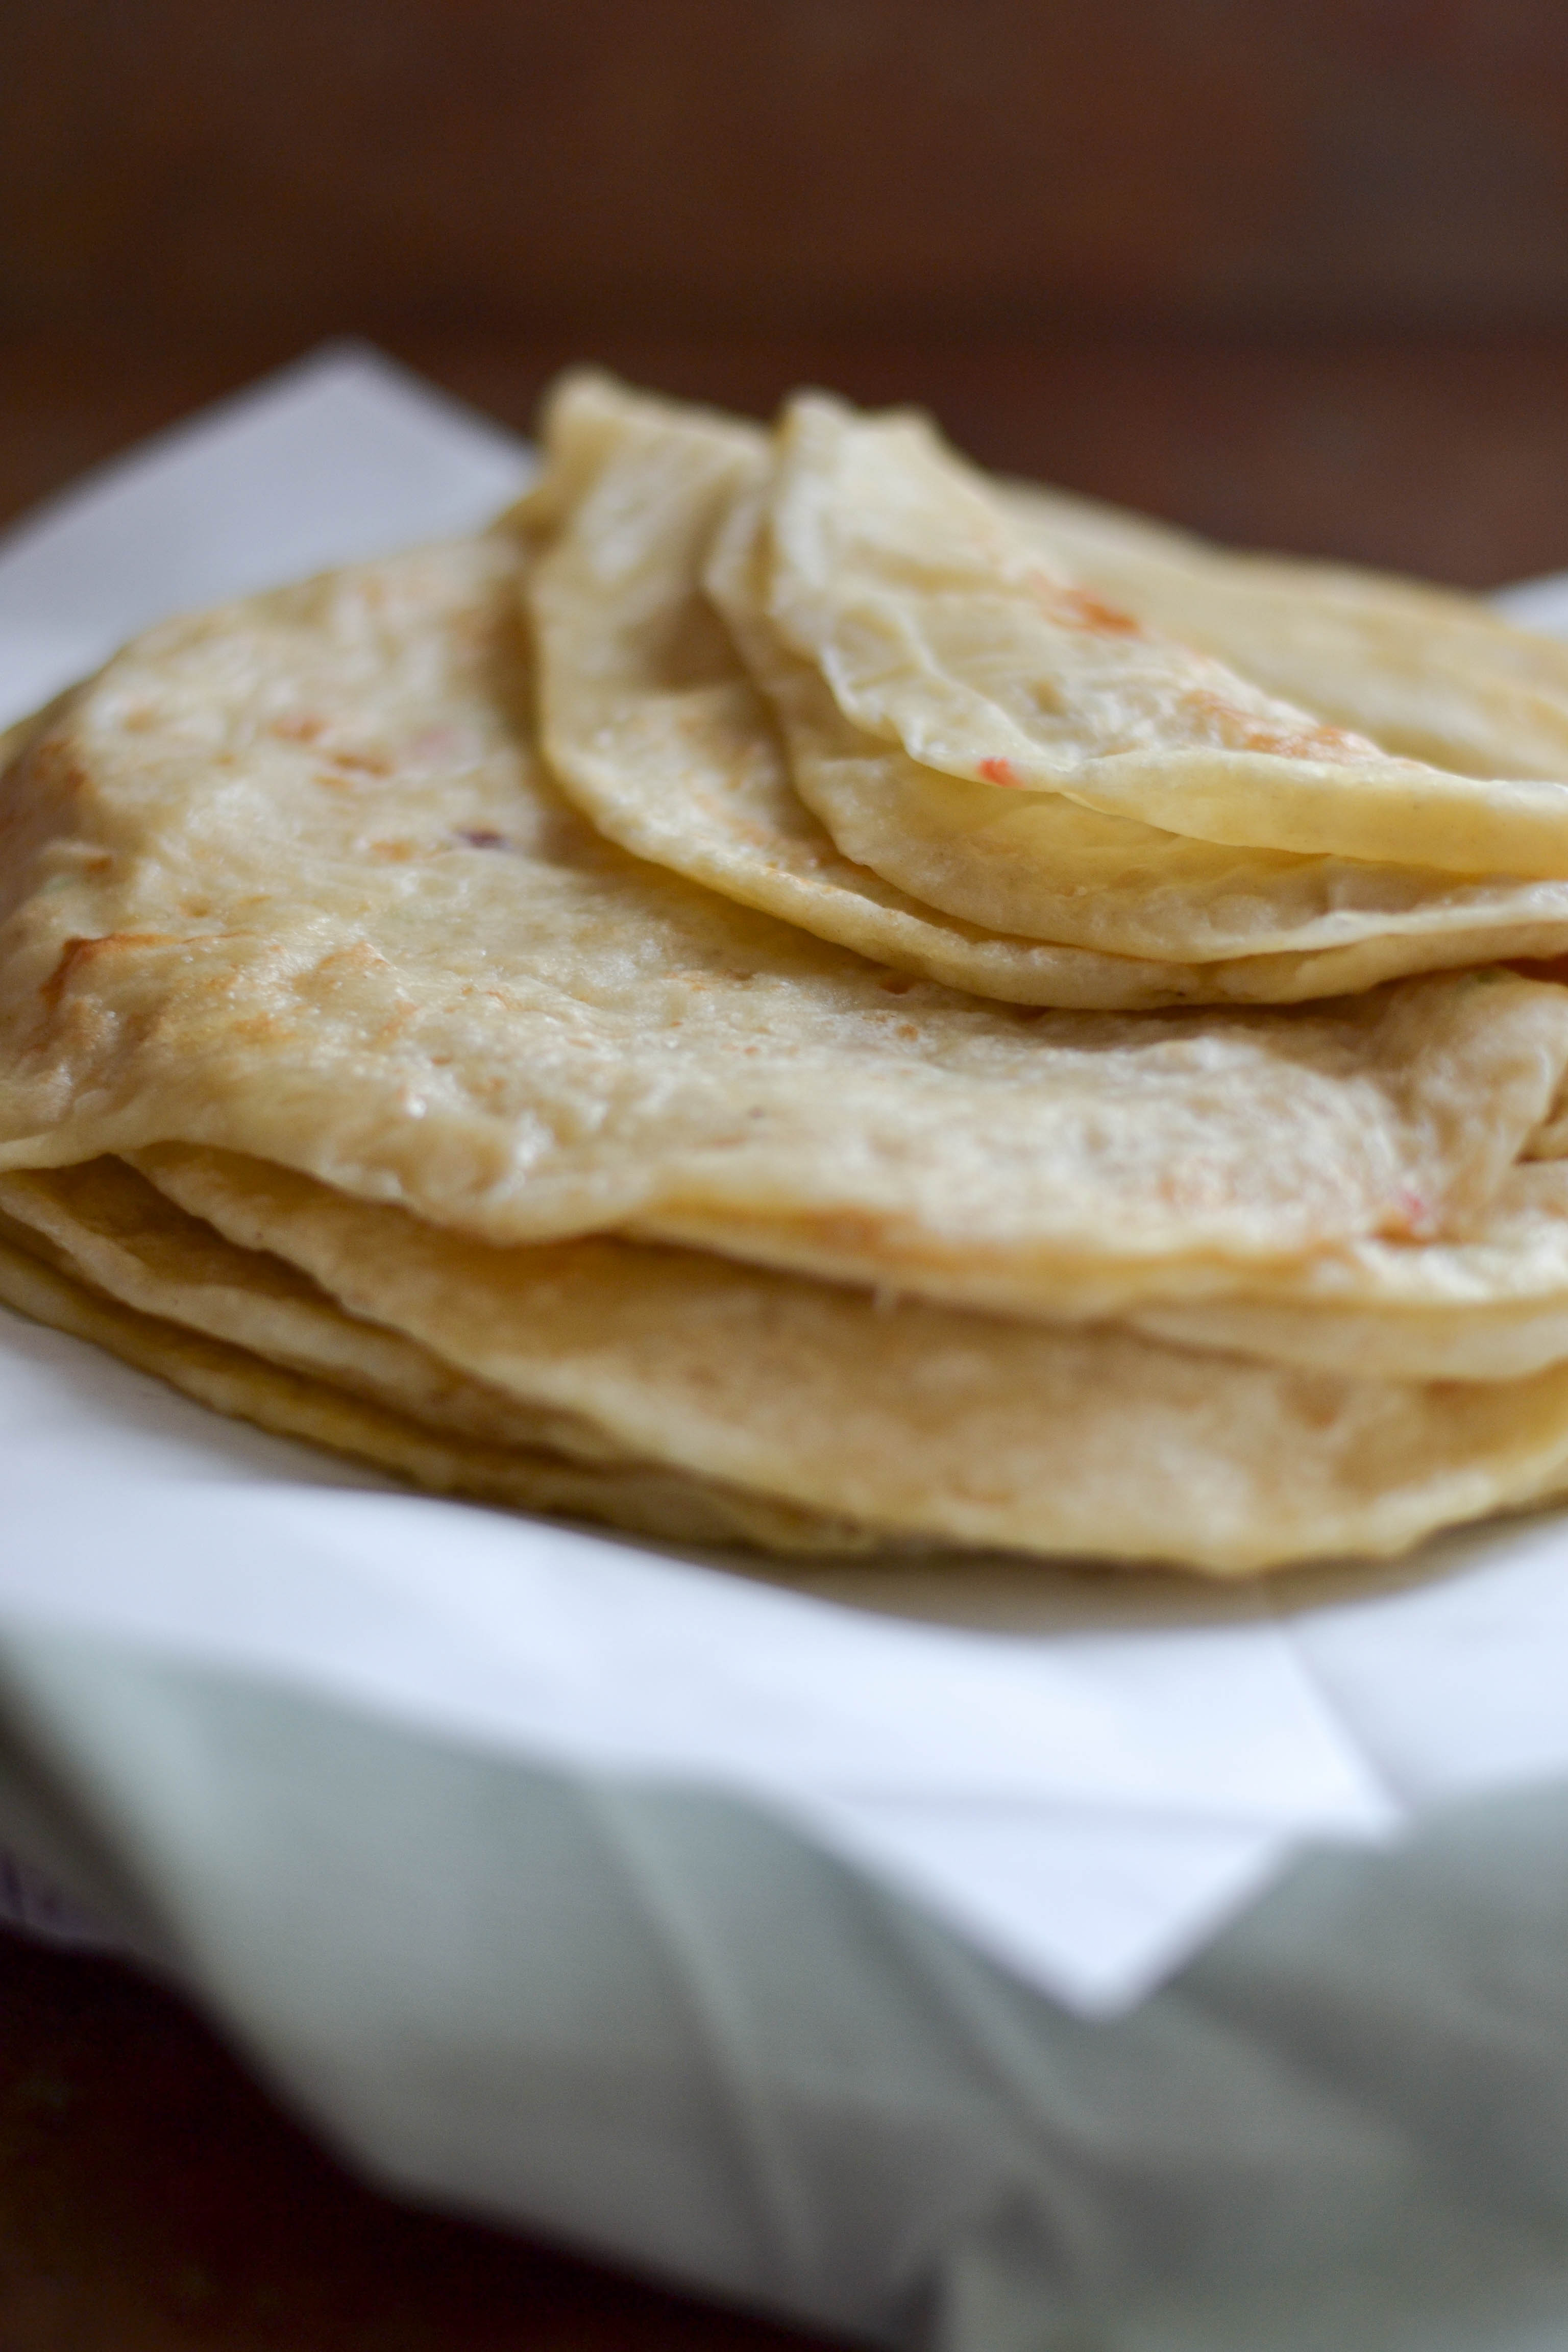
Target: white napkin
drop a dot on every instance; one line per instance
(342, 457)
(1084, 1779)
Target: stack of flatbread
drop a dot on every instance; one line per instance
(791, 993)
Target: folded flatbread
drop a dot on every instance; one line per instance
(937, 626)
(731, 754)
(1424, 671)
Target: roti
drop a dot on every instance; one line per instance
(1427, 672)
(245, 1386)
(286, 879)
(324, 1383)
(577, 1017)
(724, 755)
(901, 578)
(927, 1426)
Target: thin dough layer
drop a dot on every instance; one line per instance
(1092, 1443)
(648, 518)
(900, 576)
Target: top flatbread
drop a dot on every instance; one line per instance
(652, 725)
(1424, 671)
(652, 721)
(937, 627)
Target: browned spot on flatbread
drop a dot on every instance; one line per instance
(1249, 730)
(79, 954)
(53, 764)
(1078, 608)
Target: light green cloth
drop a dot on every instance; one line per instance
(659, 2025)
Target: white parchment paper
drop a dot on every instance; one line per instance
(1082, 1776)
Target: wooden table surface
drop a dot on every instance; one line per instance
(1441, 454)
(152, 2199)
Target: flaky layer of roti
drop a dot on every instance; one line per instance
(1255, 923)
(650, 515)
(284, 879)
(1424, 671)
(655, 729)
(118, 1234)
(899, 1424)
(938, 625)
(1493, 1307)
(333, 1407)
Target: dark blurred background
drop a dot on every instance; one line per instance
(1294, 271)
